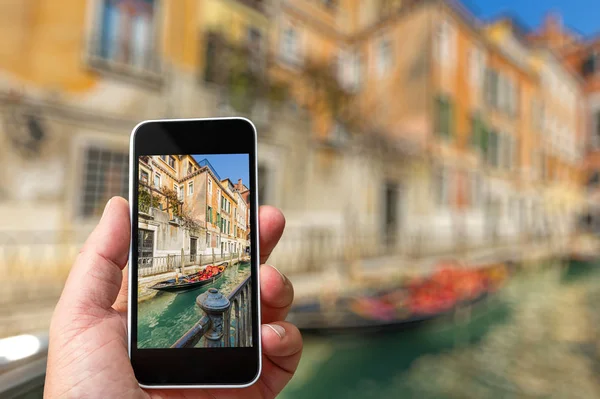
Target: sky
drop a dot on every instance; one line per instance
(580, 15)
(232, 166)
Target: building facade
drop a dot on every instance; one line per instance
(397, 124)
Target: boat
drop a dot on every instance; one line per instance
(409, 305)
(192, 281)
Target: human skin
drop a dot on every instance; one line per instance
(88, 355)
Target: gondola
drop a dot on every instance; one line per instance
(393, 309)
(311, 320)
(187, 283)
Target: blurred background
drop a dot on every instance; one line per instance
(437, 161)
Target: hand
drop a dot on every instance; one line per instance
(88, 333)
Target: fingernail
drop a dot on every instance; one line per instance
(106, 207)
(283, 277)
(280, 331)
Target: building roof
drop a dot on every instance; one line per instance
(206, 163)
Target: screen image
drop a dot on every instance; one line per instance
(193, 251)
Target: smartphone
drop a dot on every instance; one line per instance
(194, 311)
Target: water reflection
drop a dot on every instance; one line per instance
(167, 316)
(536, 338)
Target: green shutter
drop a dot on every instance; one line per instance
(485, 137)
(475, 139)
(493, 148)
(444, 116)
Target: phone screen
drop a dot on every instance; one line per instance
(194, 302)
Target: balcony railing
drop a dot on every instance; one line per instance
(123, 58)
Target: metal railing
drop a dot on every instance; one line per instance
(313, 250)
(226, 321)
(150, 266)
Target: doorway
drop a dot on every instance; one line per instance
(193, 249)
(391, 220)
(145, 248)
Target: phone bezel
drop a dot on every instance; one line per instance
(162, 137)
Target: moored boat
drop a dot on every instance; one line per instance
(411, 304)
(208, 275)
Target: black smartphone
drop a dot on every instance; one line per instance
(194, 311)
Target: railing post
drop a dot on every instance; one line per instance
(248, 330)
(215, 305)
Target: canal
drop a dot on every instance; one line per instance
(167, 316)
(538, 338)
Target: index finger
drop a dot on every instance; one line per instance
(272, 223)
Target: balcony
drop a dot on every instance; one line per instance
(121, 59)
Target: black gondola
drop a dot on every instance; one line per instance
(313, 321)
(172, 286)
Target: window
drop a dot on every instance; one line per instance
(478, 133)
(384, 56)
(491, 87)
(507, 151)
(444, 116)
(105, 174)
(176, 189)
(126, 32)
(445, 43)
(208, 244)
(290, 46)
(145, 247)
(210, 185)
(476, 67)
(191, 188)
(255, 48)
(349, 70)
(492, 150)
(591, 64)
(180, 192)
(157, 180)
(144, 177)
(172, 162)
(219, 221)
(209, 214)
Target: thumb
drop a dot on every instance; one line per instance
(95, 279)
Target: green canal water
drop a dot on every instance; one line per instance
(167, 316)
(538, 338)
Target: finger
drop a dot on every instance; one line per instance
(120, 304)
(271, 224)
(95, 279)
(276, 294)
(282, 347)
